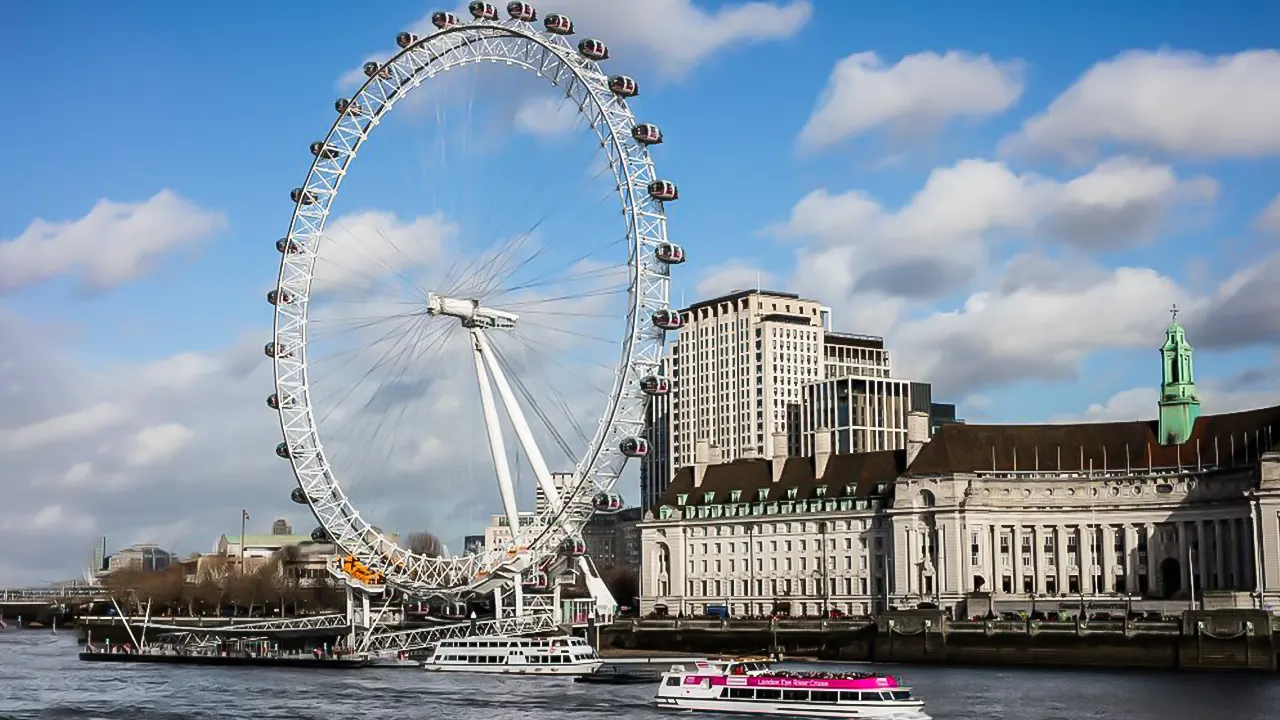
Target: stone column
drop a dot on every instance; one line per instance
(1153, 559)
(1016, 549)
(1037, 557)
(1106, 552)
(1184, 546)
(1220, 553)
(1238, 552)
(996, 570)
(1131, 559)
(1203, 558)
(1060, 556)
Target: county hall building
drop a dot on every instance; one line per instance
(981, 517)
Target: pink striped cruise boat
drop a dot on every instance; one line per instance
(752, 686)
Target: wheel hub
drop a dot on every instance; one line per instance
(470, 312)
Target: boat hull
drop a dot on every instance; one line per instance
(885, 711)
(566, 669)
(219, 660)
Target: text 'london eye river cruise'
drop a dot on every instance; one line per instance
(752, 686)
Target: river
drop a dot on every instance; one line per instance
(40, 677)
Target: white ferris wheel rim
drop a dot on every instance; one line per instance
(512, 42)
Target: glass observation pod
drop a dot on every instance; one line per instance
(655, 385)
(345, 105)
(593, 49)
(608, 502)
(670, 253)
(322, 151)
(279, 297)
(273, 402)
(668, 319)
(283, 450)
(444, 20)
(634, 447)
(483, 11)
(305, 197)
(575, 547)
(558, 24)
(285, 246)
(537, 581)
(663, 190)
(299, 496)
(271, 351)
(321, 535)
(623, 86)
(405, 39)
(521, 11)
(647, 134)
(373, 68)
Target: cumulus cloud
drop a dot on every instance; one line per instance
(114, 243)
(1177, 103)
(1252, 388)
(547, 117)
(732, 275)
(917, 94)
(1269, 219)
(935, 243)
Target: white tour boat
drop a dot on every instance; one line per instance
(560, 655)
(752, 686)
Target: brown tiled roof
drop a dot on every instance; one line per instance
(1226, 440)
(861, 470)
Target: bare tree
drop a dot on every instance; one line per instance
(424, 543)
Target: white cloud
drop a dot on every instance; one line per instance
(668, 38)
(547, 116)
(158, 444)
(1251, 389)
(733, 275)
(78, 473)
(48, 520)
(70, 426)
(917, 94)
(365, 247)
(1179, 103)
(937, 242)
(113, 244)
(1269, 219)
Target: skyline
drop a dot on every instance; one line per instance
(1015, 212)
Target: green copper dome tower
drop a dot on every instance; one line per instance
(1179, 404)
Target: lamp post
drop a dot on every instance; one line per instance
(244, 520)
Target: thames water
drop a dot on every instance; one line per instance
(41, 677)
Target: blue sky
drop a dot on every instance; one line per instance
(217, 104)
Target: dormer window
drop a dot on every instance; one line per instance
(708, 497)
(682, 499)
(735, 496)
(762, 494)
(821, 491)
(791, 493)
(880, 488)
(664, 512)
(849, 490)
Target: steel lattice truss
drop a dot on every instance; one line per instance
(552, 57)
(314, 622)
(380, 642)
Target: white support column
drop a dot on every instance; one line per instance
(497, 447)
(519, 596)
(518, 421)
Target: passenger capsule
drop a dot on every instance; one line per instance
(558, 24)
(607, 502)
(593, 49)
(623, 86)
(272, 351)
(575, 547)
(279, 297)
(371, 68)
(345, 105)
(483, 11)
(283, 450)
(522, 11)
(299, 496)
(321, 535)
(655, 385)
(670, 253)
(537, 581)
(634, 447)
(667, 319)
(285, 246)
(322, 151)
(274, 402)
(304, 197)
(405, 39)
(647, 134)
(444, 20)
(664, 190)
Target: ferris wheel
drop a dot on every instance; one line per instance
(480, 313)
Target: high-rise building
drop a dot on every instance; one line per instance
(281, 527)
(744, 367)
(558, 480)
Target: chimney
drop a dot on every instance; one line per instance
(779, 459)
(917, 434)
(821, 452)
(701, 458)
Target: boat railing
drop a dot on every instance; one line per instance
(822, 675)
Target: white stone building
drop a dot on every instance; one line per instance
(984, 518)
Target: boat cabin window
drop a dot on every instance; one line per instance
(823, 696)
(795, 695)
(768, 694)
(673, 681)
